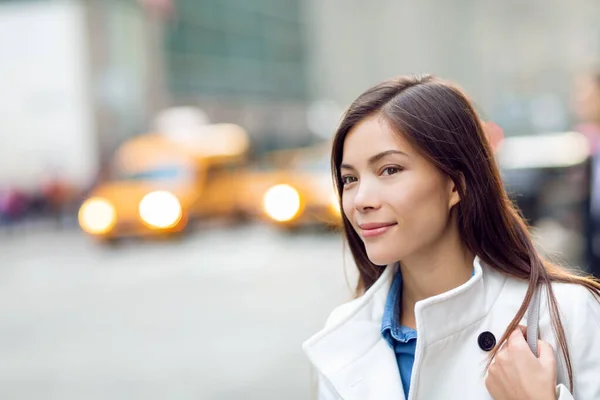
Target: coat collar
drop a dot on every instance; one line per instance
(346, 350)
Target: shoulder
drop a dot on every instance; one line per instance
(569, 296)
(338, 317)
(342, 312)
(578, 305)
(366, 310)
(368, 306)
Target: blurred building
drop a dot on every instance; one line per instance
(77, 78)
(243, 62)
(264, 64)
(516, 58)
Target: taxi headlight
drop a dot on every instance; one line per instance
(160, 209)
(282, 202)
(97, 216)
(334, 204)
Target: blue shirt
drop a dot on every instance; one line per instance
(400, 338)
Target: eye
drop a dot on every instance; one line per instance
(348, 179)
(391, 170)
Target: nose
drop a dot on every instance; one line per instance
(366, 197)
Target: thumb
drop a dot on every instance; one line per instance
(546, 353)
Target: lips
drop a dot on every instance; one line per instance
(375, 229)
(375, 225)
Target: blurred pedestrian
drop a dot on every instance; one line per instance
(13, 207)
(448, 273)
(587, 109)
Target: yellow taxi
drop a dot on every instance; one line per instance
(160, 183)
(301, 191)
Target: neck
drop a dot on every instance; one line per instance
(442, 267)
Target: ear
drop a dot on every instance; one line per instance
(454, 197)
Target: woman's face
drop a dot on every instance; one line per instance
(397, 201)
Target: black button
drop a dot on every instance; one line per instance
(486, 341)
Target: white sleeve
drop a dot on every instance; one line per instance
(562, 393)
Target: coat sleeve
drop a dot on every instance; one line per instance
(562, 393)
(584, 349)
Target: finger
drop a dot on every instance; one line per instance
(502, 359)
(503, 346)
(516, 340)
(516, 336)
(546, 353)
(491, 385)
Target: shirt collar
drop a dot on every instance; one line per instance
(391, 328)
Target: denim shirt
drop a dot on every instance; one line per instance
(400, 338)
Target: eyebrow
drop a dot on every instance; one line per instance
(377, 157)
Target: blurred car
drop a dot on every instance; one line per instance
(546, 176)
(296, 189)
(161, 182)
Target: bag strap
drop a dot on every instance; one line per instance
(533, 321)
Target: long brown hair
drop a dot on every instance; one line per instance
(438, 119)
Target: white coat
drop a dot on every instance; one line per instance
(354, 361)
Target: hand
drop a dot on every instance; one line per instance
(516, 374)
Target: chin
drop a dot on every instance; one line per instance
(382, 257)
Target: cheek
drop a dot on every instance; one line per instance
(421, 209)
(347, 206)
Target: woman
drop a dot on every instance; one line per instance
(447, 268)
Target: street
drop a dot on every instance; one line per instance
(220, 314)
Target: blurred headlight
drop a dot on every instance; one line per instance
(97, 216)
(334, 203)
(282, 202)
(160, 209)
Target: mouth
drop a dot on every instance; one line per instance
(375, 229)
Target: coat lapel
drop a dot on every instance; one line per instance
(373, 376)
(350, 352)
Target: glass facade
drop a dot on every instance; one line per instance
(250, 48)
